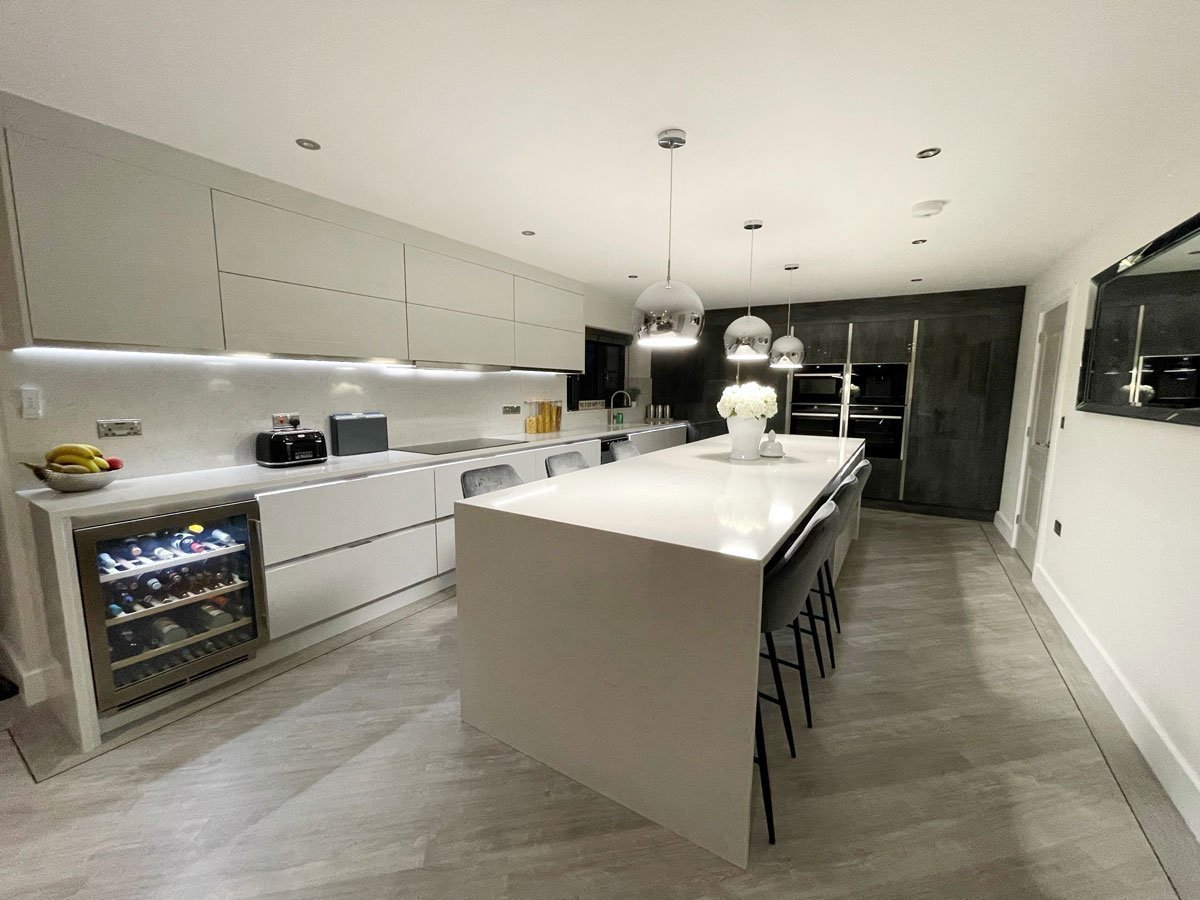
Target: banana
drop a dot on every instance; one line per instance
(102, 463)
(74, 470)
(69, 459)
(83, 451)
(56, 467)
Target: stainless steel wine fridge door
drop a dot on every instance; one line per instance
(170, 599)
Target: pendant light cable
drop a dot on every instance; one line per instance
(750, 280)
(670, 211)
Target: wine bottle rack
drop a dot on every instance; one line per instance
(159, 564)
(177, 602)
(179, 645)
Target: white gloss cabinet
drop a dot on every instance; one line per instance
(112, 253)
(445, 544)
(448, 283)
(275, 317)
(541, 304)
(659, 439)
(443, 335)
(268, 242)
(548, 348)
(310, 590)
(304, 520)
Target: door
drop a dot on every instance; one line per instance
(1039, 433)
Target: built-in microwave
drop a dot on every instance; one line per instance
(821, 383)
(879, 384)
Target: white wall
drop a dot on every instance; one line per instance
(1124, 576)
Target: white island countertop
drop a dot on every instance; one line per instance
(692, 495)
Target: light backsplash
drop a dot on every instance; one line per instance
(203, 412)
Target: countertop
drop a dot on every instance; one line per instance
(692, 495)
(132, 495)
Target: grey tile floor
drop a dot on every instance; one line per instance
(948, 759)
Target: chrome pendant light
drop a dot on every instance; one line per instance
(669, 313)
(748, 338)
(788, 351)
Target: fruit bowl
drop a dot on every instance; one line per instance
(67, 483)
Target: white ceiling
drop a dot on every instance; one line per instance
(480, 119)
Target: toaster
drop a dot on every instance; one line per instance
(290, 447)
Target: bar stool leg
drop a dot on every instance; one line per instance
(812, 626)
(803, 667)
(837, 619)
(783, 707)
(825, 616)
(764, 775)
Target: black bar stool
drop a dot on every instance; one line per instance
(847, 496)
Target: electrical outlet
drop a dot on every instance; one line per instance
(118, 427)
(283, 420)
(510, 410)
(1062, 423)
(1057, 527)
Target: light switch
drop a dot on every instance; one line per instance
(32, 405)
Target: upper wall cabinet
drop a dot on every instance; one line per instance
(267, 242)
(448, 283)
(824, 342)
(445, 335)
(548, 348)
(540, 304)
(267, 316)
(882, 341)
(113, 254)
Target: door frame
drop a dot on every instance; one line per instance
(1065, 297)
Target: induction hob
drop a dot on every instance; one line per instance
(459, 446)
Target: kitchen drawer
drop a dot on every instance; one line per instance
(445, 544)
(267, 242)
(449, 487)
(449, 283)
(548, 348)
(307, 591)
(275, 317)
(659, 439)
(304, 520)
(443, 335)
(540, 304)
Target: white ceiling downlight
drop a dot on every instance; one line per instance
(307, 144)
(927, 208)
(928, 152)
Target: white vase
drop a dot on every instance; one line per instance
(746, 435)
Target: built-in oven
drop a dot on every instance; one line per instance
(821, 383)
(881, 427)
(824, 419)
(878, 384)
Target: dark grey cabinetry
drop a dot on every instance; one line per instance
(824, 342)
(958, 423)
(881, 341)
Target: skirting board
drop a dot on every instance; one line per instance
(1178, 779)
(1007, 530)
(34, 683)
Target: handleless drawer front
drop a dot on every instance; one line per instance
(308, 591)
(267, 242)
(548, 348)
(449, 283)
(590, 450)
(276, 317)
(540, 304)
(442, 335)
(306, 520)
(659, 439)
(445, 544)
(449, 485)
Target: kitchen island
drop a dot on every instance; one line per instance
(609, 621)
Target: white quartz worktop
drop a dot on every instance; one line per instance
(691, 495)
(218, 485)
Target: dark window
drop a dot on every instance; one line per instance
(603, 365)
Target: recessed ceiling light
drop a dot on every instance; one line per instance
(308, 144)
(631, 276)
(928, 152)
(791, 267)
(529, 233)
(914, 280)
(920, 241)
(1194, 253)
(927, 208)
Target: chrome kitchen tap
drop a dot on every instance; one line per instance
(612, 408)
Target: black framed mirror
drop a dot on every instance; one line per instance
(1141, 355)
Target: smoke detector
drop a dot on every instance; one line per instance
(927, 208)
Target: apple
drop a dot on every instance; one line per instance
(114, 463)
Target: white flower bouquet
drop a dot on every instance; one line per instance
(748, 401)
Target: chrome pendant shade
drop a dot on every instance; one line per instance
(748, 338)
(788, 351)
(669, 313)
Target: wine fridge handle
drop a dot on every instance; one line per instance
(262, 607)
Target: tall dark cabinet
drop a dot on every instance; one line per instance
(961, 366)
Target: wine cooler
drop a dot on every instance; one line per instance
(170, 599)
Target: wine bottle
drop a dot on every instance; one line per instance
(185, 542)
(222, 537)
(131, 547)
(114, 610)
(106, 561)
(150, 583)
(166, 631)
